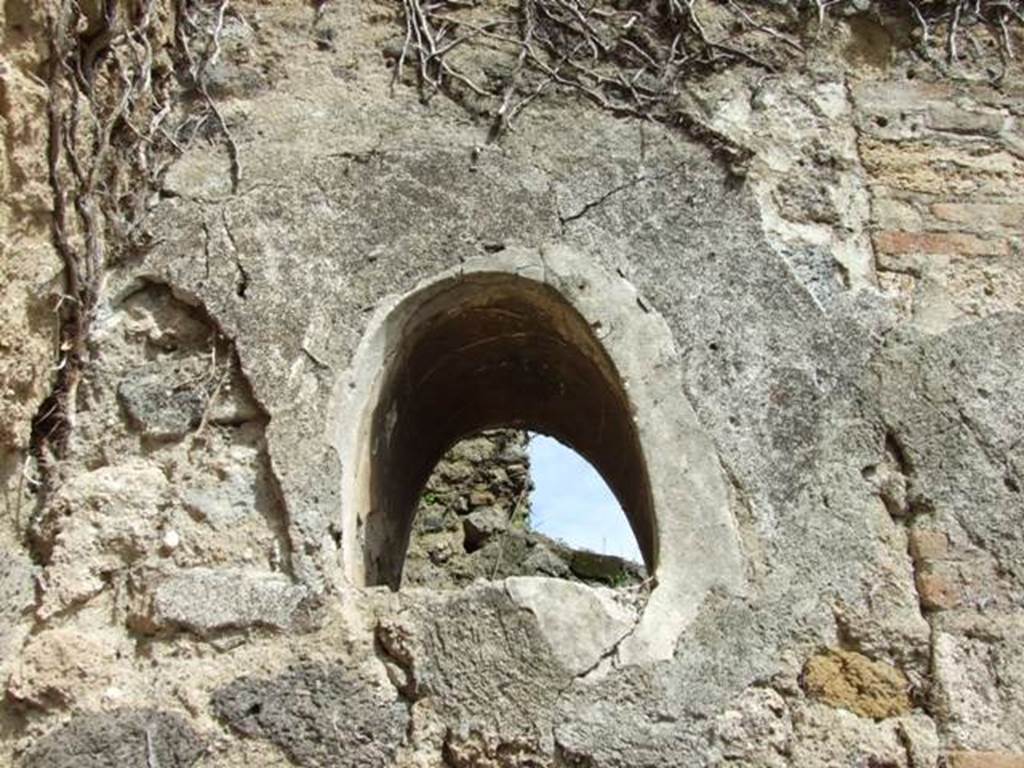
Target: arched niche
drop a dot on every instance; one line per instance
(544, 340)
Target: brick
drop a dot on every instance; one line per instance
(943, 167)
(927, 544)
(936, 591)
(981, 215)
(939, 243)
(949, 117)
(985, 760)
(888, 213)
(896, 95)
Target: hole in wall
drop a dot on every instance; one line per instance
(509, 342)
(494, 351)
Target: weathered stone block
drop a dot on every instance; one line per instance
(487, 666)
(160, 406)
(978, 675)
(118, 739)
(56, 666)
(481, 498)
(205, 601)
(580, 623)
(757, 729)
(849, 680)
(481, 525)
(17, 593)
(545, 561)
(937, 590)
(224, 504)
(982, 216)
(946, 116)
(98, 523)
(890, 213)
(607, 569)
(942, 168)
(319, 713)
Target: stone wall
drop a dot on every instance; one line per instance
(945, 167)
(29, 270)
(843, 318)
(478, 492)
(473, 522)
(29, 291)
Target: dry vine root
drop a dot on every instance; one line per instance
(634, 57)
(627, 58)
(953, 24)
(118, 77)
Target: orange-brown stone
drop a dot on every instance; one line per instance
(928, 544)
(985, 760)
(937, 591)
(852, 681)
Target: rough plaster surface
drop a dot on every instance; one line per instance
(842, 328)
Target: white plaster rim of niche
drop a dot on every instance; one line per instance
(697, 544)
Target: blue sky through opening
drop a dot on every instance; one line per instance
(571, 502)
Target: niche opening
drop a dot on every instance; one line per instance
(474, 353)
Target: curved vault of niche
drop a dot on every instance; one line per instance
(496, 350)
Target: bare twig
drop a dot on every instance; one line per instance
(108, 145)
(626, 62)
(632, 61)
(529, 12)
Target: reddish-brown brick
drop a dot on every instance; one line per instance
(936, 591)
(939, 243)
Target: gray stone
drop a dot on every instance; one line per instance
(433, 523)
(235, 403)
(756, 729)
(318, 713)
(979, 683)
(956, 406)
(440, 553)
(545, 561)
(118, 739)
(224, 504)
(481, 525)
(581, 624)
(481, 499)
(17, 593)
(160, 406)
(98, 522)
(205, 601)
(604, 569)
(485, 665)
